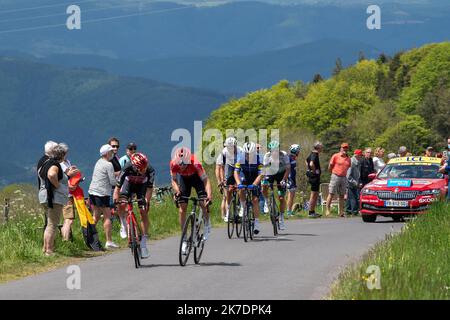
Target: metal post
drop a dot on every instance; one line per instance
(6, 210)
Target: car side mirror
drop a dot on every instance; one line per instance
(372, 176)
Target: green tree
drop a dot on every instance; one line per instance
(412, 132)
(317, 78)
(338, 67)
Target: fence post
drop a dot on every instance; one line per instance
(6, 210)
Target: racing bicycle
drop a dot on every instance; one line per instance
(274, 211)
(234, 220)
(133, 232)
(248, 219)
(193, 231)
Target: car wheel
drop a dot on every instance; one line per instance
(369, 217)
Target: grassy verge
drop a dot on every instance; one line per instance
(414, 264)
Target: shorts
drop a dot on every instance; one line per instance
(69, 210)
(140, 190)
(315, 183)
(248, 179)
(229, 175)
(338, 185)
(101, 202)
(53, 217)
(186, 183)
(269, 180)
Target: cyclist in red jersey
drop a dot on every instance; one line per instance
(187, 172)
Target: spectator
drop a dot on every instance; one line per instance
(69, 208)
(367, 166)
(53, 194)
(429, 152)
(294, 152)
(103, 180)
(446, 167)
(131, 148)
(339, 164)
(378, 161)
(48, 148)
(402, 151)
(114, 143)
(354, 183)
(313, 173)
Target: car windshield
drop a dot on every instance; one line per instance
(410, 172)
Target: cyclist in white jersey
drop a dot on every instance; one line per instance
(225, 166)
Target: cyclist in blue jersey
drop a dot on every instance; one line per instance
(294, 151)
(248, 171)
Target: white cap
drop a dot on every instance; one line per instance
(105, 149)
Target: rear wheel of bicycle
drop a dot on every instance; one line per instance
(231, 220)
(200, 243)
(135, 247)
(186, 237)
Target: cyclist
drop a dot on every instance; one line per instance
(225, 165)
(248, 171)
(276, 168)
(137, 178)
(187, 172)
(292, 183)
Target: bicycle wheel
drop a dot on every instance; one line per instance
(273, 216)
(238, 220)
(135, 247)
(245, 225)
(200, 243)
(186, 237)
(251, 222)
(231, 219)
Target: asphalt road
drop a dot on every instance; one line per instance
(300, 263)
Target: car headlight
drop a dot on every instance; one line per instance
(431, 192)
(369, 192)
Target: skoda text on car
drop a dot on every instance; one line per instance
(406, 186)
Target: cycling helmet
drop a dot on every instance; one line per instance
(139, 160)
(249, 147)
(295, 148)
(273, 145)
(182, 156)
(230, 142)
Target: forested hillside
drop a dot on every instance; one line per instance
(388, 102)
(84, 107)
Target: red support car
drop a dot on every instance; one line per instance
(406, 186)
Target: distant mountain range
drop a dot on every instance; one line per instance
(143, 30)
(235, 75)
(84, 108)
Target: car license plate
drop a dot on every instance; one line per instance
(394, 203)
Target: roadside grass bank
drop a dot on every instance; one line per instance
(413, 264)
